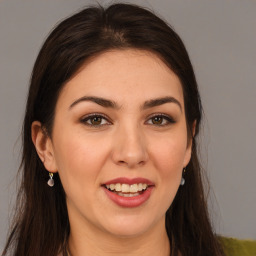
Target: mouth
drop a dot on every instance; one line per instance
(127, 190)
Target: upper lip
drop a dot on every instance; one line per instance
(124, 180)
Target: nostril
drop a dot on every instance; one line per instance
(141, 162)
(122, 162)
(130, 163)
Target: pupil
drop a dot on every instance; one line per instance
(96, 120)
(157, 120)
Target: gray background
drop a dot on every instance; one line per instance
(221, 39)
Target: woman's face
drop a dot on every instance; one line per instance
(120, 142)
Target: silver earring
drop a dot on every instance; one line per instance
(182, 182)
(50, 182)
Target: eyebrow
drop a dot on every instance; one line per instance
(111, 104)
(160, 101)
(100, 101)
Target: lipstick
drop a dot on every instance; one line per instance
(124, 180)
(128, 199)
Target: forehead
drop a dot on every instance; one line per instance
(126, 76)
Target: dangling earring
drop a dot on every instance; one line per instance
(50, 182)
(182, 182)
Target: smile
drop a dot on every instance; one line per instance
(127, 190)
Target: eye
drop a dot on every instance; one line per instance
(160, 120)
(95, 120)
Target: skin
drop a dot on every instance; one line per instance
(126, 142)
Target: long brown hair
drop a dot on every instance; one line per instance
(41, 225)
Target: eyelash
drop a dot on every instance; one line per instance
(85, 120)
(169, 120)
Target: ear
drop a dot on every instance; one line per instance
(189, 145)
(43, 145)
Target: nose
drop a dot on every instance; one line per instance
(130, 149)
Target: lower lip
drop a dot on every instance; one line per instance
(129, 202)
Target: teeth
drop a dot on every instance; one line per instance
(128, 195)
(118, 187)
(126, 188)
(134, 188)
(140, 187)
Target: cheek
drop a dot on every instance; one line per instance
(168, 155)
(79, 160)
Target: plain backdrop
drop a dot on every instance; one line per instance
(220, 36)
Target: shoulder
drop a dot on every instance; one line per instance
(236, 247)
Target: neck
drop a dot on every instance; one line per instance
(89, 242)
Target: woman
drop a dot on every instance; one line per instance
(109, 142)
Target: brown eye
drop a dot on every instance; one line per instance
(96, 120)
(157, 120)
(160, 120)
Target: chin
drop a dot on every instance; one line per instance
(129, 232)
(130, 227)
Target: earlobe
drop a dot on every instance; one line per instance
(43, 145)
(188, 154)
(194, 129)
(189, 145)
